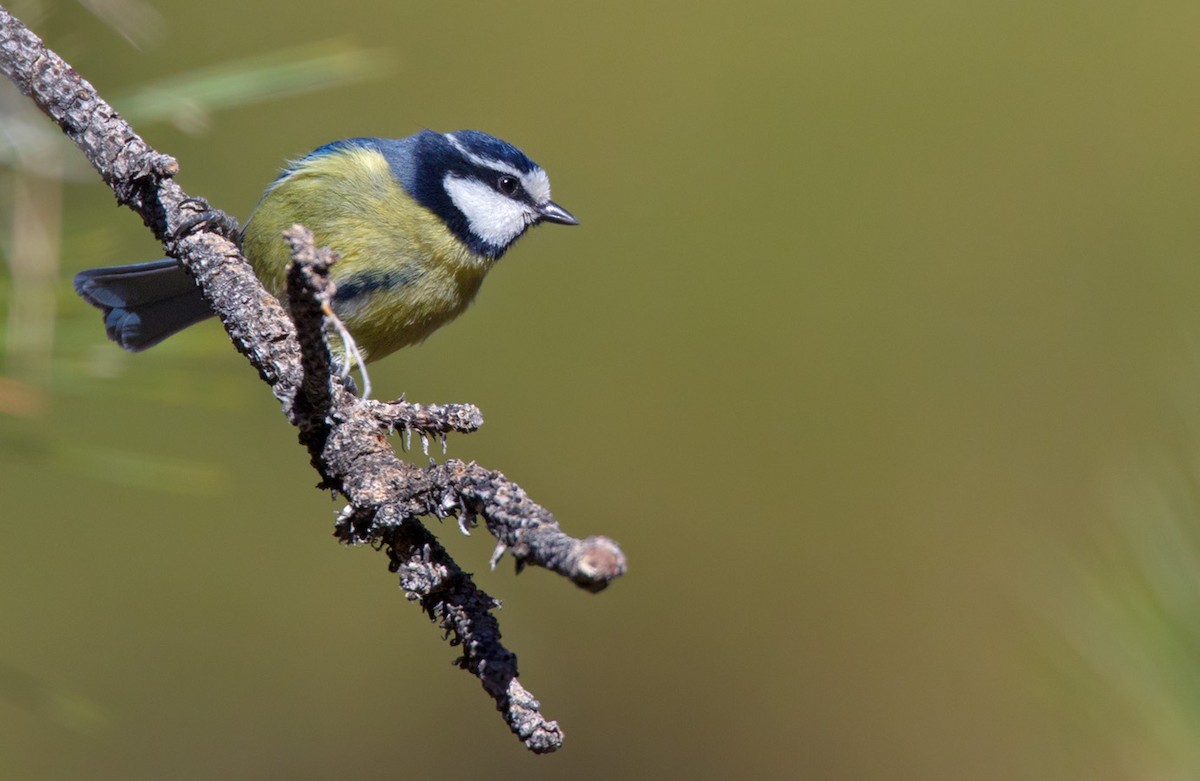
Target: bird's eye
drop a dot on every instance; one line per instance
(508, 185)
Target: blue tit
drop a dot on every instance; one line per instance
(418, 222)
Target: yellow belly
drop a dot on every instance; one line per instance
(402, 273)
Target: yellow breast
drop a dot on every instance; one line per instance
(402, 272)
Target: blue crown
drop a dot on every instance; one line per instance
(492, 148)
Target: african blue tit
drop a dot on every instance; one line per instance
(418, 222)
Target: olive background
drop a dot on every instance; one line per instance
(876, 349)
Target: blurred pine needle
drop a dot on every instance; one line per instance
(1130, 616)
(187, 99)
(60, 705)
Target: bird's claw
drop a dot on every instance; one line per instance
(206, 218)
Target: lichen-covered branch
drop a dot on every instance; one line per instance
(345, 436)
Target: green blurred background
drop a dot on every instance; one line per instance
(877, 351)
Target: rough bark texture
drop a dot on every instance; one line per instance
(346, 437)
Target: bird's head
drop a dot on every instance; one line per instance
(486, 190)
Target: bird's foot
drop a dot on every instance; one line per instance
(206, 218)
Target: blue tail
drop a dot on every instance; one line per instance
(143, 303)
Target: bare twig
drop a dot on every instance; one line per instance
(344, 435)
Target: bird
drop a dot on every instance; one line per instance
(418, 223)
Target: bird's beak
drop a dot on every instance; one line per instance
(552, 212)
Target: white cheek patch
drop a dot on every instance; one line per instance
(492, 217)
